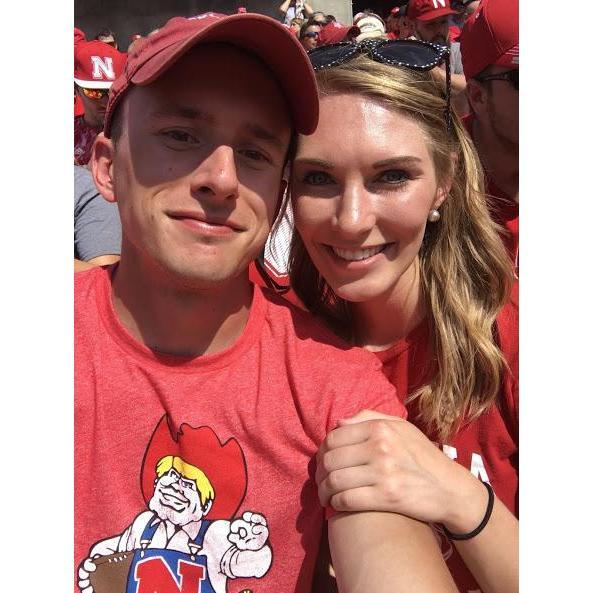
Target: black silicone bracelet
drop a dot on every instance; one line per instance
(480, 527)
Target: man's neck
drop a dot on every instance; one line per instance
(176, 319)
(499, 158)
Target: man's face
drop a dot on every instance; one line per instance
(435, 31)
(501, 107)
(176, 499)
(311, 37)
(198, 169)
(94, 109)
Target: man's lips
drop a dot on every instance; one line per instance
(206, 224)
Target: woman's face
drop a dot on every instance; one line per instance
(362, 188)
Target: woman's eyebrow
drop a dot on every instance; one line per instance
(313, 162)
(397, 161)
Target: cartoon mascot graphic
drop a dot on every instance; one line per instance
(172, 547)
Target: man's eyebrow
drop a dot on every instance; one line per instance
(397, 161)
(314, 162)
(182, 111)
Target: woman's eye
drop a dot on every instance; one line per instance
(394, 176)
(316, 178)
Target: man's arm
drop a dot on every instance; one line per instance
(386, 553)
(283, 8)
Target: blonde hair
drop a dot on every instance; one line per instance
(190, 472)
(465, 272)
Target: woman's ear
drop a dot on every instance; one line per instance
(444, 189)
(101, 165)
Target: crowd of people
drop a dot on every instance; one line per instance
(296, 302)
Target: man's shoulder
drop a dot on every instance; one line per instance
(87, 282)
(308, 335)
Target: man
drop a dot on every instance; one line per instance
(179, 356)
(490, 52)
(295, 9)
(96, 66)
(97, 230)
(107, 36)
(430, 22)
(309, 34)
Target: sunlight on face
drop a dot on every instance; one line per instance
(363, 186)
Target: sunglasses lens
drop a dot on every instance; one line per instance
(409, 53)
(94, 93)
(331, 55)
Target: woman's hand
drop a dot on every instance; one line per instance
(375, 462)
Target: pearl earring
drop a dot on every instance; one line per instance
(434, 215)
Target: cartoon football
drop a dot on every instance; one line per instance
(111, 575)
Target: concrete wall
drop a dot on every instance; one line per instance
(127, 17)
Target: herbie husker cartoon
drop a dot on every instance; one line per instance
(175, 547)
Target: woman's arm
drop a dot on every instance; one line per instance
(383, 463)
(386, 553)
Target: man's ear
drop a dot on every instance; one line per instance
(101, 165)
(477, 95)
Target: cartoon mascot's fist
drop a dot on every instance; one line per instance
(250, 532)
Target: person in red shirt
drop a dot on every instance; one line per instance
(395, 251)
(490, 53)
(96, 66)
(201, 400)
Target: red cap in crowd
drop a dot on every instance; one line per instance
(491, 37)
(97, 64)
(259, 34)
(335, 32)
(428, 10)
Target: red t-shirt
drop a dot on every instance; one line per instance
(454, 34)
(251, 418)
(84, 138)
(489, 446)
(503, 209)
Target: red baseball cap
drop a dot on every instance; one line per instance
(97, 64)
(263, 36)
(491, 37)
(428, 10)
(335, 32)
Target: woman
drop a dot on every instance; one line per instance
(396, 252)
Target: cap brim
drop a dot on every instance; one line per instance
(510, 59)
(93, 84)
(436, 14)
(267, 39)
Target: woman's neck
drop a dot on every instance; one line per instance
(381, 322)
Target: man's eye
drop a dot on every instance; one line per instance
(255, 155)
(395, 177)
(316, 178)
(180, 136)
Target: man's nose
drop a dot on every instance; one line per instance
(216, 175)
(355, 214)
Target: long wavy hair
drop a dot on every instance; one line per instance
(465, 272)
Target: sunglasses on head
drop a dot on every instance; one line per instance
(95, 94)
(511, 76)
(405, 53)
